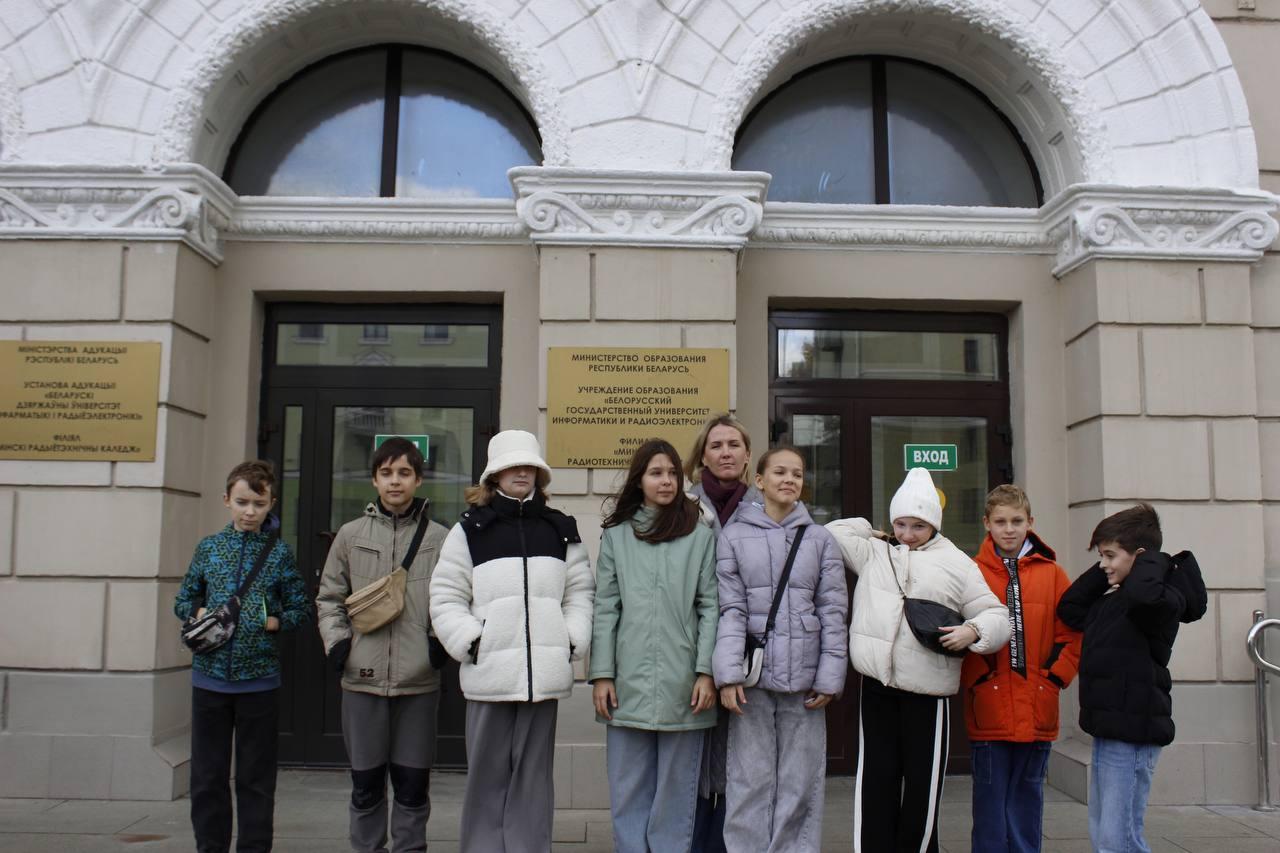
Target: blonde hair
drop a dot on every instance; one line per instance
(482, 493)
(693, 462)
(1007, 495)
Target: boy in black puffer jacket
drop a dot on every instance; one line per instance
(1129, 606)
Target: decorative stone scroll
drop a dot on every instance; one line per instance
(184, 203)
(1087, 222)
(639, 208)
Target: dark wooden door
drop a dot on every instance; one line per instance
(318, 426)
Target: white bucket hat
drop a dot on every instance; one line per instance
(918, 498)
(513, 448)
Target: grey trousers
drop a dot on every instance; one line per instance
(653, 788)
(776, 770)
(396, 736)
(509, 801)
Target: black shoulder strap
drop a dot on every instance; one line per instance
(786, 576)
(261, 561)
(423, 521)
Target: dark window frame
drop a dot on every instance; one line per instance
(891, 321)
(379, 376)
(880, 115)
(393, 79)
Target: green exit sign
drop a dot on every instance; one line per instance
(421, 441)
(932, 457)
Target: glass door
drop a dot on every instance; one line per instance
(326, 400)
(860, 394)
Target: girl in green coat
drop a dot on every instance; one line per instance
(651, 649)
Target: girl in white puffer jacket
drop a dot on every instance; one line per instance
(903, 717)
(511, 599)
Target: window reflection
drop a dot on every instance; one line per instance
(858, 131)
(815, 138)
(859, 354)
(383, 345)
(947, 146)
(457, 133)
(321, 133)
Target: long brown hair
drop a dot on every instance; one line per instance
(672, 521)
(694, 463)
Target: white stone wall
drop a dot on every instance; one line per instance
(1136, 92)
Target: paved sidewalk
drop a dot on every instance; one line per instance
(311, 817)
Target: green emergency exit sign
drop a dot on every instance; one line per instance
(931, 457)
(421, 441)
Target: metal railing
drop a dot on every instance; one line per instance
(1256, 645)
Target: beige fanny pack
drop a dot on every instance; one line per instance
(380, 603)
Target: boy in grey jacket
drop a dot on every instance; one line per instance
(390, 689)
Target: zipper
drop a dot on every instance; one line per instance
(231, 644)
(391, 636)
(528, 637)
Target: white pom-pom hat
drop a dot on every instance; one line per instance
(917, 497)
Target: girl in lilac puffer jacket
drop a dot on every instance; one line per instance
(777, 738)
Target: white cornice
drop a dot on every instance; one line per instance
(599, 207)
(592, 207)
(1157, 223)
(386, 220)
(916, 227)
(183, 202)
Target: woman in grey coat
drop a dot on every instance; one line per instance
(719, 467)
(777, 739)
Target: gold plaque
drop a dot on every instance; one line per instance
(79, 400)
(604, 403)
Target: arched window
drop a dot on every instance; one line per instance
(385, 121)
(874, 130)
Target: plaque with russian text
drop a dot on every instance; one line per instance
(603, 403)
(79, 400)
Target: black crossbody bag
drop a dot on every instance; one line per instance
(925, 617)
(203, 634)
(753, 654)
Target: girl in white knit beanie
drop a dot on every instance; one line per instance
(919, 606)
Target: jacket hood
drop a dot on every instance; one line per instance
(753, 513)
(270, 525)
(988, 555)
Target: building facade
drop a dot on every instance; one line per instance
(1040, 230)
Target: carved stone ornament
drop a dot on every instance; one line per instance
(387, 220)
(184, 203)
(1107, 222)
(637, 208)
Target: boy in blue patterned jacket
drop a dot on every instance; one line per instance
(234, 687)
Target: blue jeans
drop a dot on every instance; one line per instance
(653, 788)
(1008, 795)
(1119, 783)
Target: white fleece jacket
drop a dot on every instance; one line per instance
(881, 644)
(523, 655)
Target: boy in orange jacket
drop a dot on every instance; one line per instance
(1011, 697)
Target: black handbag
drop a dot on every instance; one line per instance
(203, 634)
(753, 651)
(925, 618)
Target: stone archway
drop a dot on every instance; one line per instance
(254, 52)
(1137, 114)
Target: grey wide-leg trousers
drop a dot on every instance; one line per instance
(509, 801)
(776, 772)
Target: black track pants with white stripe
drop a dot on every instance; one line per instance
(902, 759)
